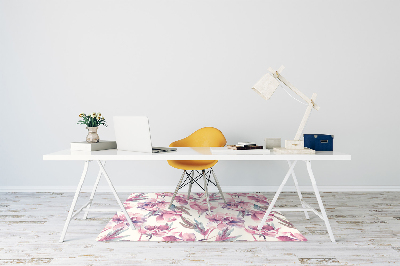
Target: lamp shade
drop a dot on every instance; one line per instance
(266, 86)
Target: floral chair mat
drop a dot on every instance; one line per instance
(189, 220)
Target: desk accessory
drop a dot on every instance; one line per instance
(249, 147)
(266, 86)
(98, 146)
(92, 123)
(319, 142)
(271, 143)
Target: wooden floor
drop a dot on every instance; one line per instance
(366, 226)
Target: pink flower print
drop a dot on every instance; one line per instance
(224, 235)
(150, 231)
(138, 218)
(165, 194)
(237, 194)
(201, 207)
(266, 231)
(181, 200)
(197, 196)
(214, 197)
(187, 236)
(285, 238)
(199, 228)
(259, 198)
(152, 205)
(119, 226)
(225, 220)
(258, 215)
(119, 218)
(166, 215)
(171, 238)
(299, 236)
(136, 197)
(241, 205)
(288, 236)
(112, 235)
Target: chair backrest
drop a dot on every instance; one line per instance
(204, 137)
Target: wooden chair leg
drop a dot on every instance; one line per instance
(176, 190)
(190, 184)
(206, 189)
(218, 186)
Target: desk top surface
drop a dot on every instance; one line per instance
(186, 153)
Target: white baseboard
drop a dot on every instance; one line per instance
(196, 189)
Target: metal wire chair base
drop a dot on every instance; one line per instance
(191, 178)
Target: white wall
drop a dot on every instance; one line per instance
(189, 64)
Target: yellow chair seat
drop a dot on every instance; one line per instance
(191, 164)
(204, 137)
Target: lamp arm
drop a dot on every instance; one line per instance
(305, 117)
(293, 88)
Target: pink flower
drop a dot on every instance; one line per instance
(237, 194)
(225, 220)
(166, 215)
(136, 218)
(266, 231)
(152, 205)
(171, 238)
(111, 235)
(258, 215)
(201, 208)
(288, 236)
(224, 235)
(158, 231)
(285, 238)
(137, 197)
(214, 197)
(188, 236)
(259, 198)
(241, 205)
(165, 194)
(181, 200)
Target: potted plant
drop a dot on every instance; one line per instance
(92, 123)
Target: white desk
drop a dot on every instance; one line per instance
(194, 154)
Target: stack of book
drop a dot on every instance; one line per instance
(245, 146)
(240, 148)
(98, 146)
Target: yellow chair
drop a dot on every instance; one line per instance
(204, 137)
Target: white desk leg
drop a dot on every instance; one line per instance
(71, 210)
(298, 191)
(321, 205)
(116, 195)
(271, 205)
(93, 192)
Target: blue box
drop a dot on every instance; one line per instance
(318, 142)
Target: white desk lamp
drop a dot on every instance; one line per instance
(266, 86)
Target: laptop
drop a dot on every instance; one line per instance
(133, 134)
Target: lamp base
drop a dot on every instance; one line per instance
(294, 144)
(293, 151)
